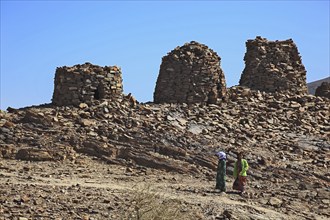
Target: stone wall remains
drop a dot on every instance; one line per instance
(86, 83)
(190, 74)
(273, 66)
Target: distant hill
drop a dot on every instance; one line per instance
(313, 85)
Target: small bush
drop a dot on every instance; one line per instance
(149, 205)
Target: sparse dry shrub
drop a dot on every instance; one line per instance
(148, 204)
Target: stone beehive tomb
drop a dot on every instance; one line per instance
(86, 83)
(323, 90)
(190, 74)
(272, 66)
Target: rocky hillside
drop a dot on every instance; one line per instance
(286, 140)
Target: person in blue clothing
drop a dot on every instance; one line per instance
(221, 172)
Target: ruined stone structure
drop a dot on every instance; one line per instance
(272, 66)
(190, 74)
(323, 90)
(86, 83)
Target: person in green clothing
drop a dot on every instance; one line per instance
(240, 168)
(221, 172)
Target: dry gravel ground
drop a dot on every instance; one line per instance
(286, 140)
(89, 189)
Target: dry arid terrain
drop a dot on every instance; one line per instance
(127, 160)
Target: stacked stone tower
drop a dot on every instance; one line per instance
(86, 83)
(273, 66)
(190, 74)
(323, 90)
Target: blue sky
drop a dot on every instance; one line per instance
(38, 36)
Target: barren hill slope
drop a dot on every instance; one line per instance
(82, 162)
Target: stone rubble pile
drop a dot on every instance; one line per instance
(323, 90)
(286, 139)
(190, 74)
(272, 66)
(108, 129)
(85, 83)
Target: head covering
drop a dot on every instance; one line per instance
(221, 155)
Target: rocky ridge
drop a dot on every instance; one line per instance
(286, 139)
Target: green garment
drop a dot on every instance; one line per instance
(221, 176)
(245, 167)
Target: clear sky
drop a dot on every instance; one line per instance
(38, 36)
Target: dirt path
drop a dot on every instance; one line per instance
(186, 189)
